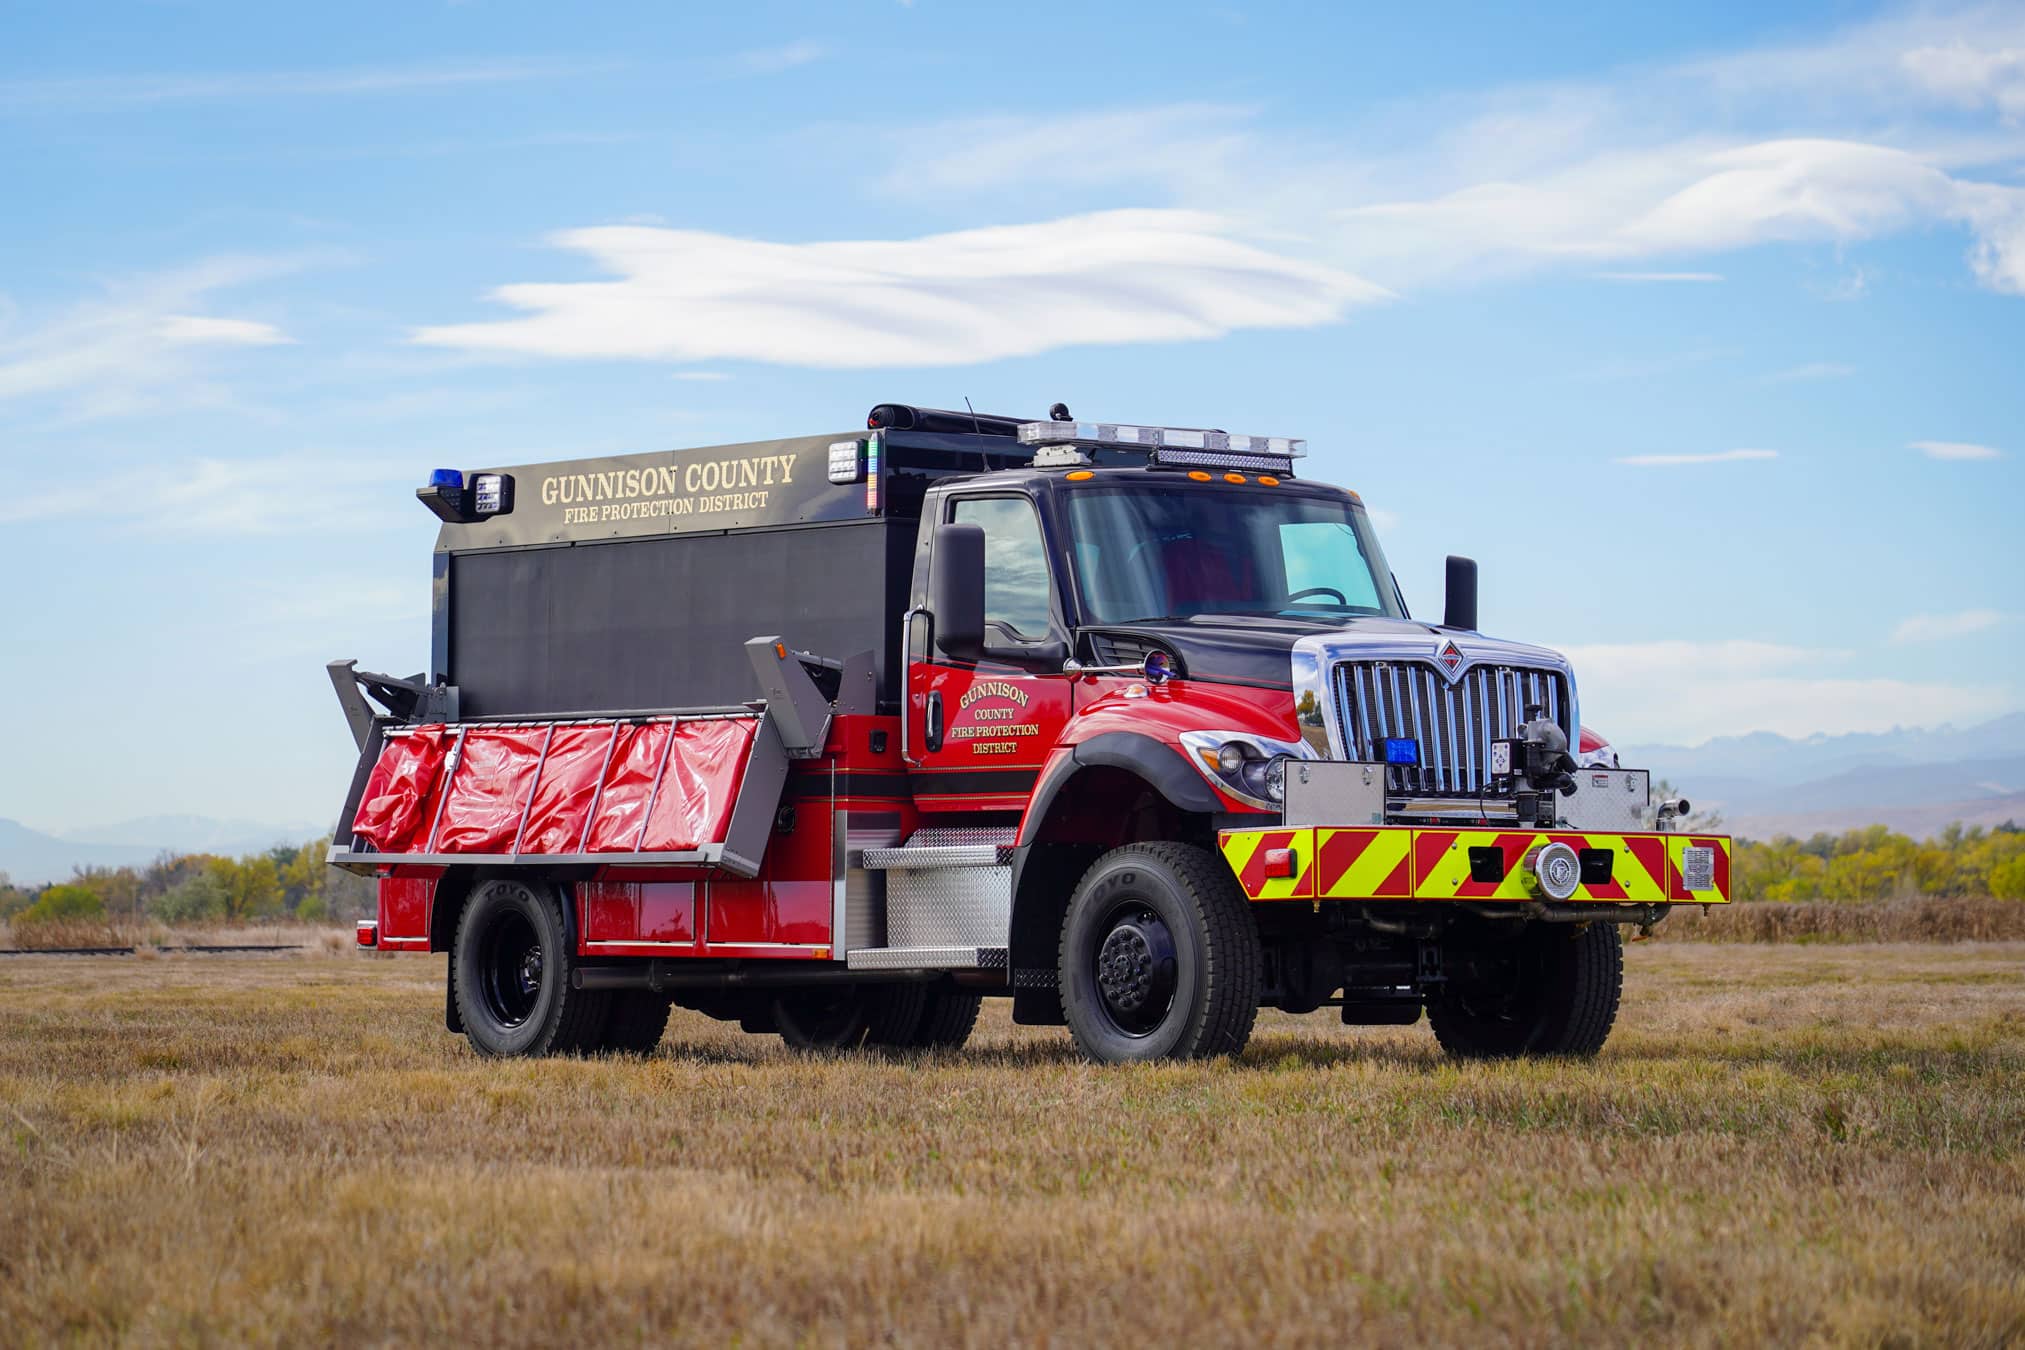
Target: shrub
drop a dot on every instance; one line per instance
(63, 902)
(195, 899)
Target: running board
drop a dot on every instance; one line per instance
(928, 958)
(948, 855)
(945, 846)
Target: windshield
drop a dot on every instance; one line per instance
(1157, 551)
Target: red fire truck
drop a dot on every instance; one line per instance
(836, 736)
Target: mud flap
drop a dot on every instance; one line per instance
(453, 1021)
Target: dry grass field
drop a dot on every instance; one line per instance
(1781, 1143)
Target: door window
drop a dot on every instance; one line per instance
(1015, 563)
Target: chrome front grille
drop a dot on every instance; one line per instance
(1454, 723)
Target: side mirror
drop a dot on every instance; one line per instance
(1462, 594)
(956, 590)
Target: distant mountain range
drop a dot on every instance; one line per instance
(32, 857)
(1914, 781)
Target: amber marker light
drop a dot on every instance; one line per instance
(1081, 476)
(1233, 478)
(1198, 475)
(1269, 480)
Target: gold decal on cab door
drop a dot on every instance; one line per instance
(986, 729)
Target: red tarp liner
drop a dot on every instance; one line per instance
(704, 770)
(391, 810)
(628, 784)
(488, 792)
(700, 770)
(563, 797)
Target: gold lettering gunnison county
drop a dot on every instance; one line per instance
(693, 489)
(995, 723)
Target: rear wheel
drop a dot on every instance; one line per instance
(510, 973)
(1549, 990)
(947, 1019)
(638, 1020)
(844, 1017)
(1159, 957)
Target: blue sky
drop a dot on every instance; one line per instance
(1701, 330)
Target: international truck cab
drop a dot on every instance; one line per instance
(837, 736)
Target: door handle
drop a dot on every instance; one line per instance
(931, 722)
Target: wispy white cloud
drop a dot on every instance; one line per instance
(1940, 627)
(208, 496)
(1651, 164)
(709, 376)
(233, 332)
(1955, 450)
(1971, 76)
(1813, 370)
(141, 344)
(947, 299)
(774, 60)
(142, 89)
(1712, 457)
(1682, 692)
(1624, 177)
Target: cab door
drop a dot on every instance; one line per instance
(980, 731)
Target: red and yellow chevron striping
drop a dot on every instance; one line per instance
(1443, 864)
(1246, 850)
(1398, 862)
(1366, 863)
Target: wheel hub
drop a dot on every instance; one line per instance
(511, 969)
(1125, 969)
(1136, 971)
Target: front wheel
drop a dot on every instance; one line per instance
(1159, 957)
(510, 973)
(1547, 990)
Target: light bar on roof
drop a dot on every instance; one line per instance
(1123, 435)
(1223, 459)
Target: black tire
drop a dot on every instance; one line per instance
(638, 1020)
(1159, 957)
(1553, 991)
(847, 1016)
(510, 971)
(947, 1019)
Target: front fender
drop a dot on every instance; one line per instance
(1169, 709)
(1142, 735)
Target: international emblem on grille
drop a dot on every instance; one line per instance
(1449, 659)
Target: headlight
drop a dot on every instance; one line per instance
(1251, 768)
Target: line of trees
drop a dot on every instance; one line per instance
(1877, 864)
(285, 882)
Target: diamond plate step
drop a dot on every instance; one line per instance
(928, 958)
(944, 836)
(937, 855)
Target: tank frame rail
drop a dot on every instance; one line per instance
(740, 853)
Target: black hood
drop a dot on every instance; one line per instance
(1238, 648)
